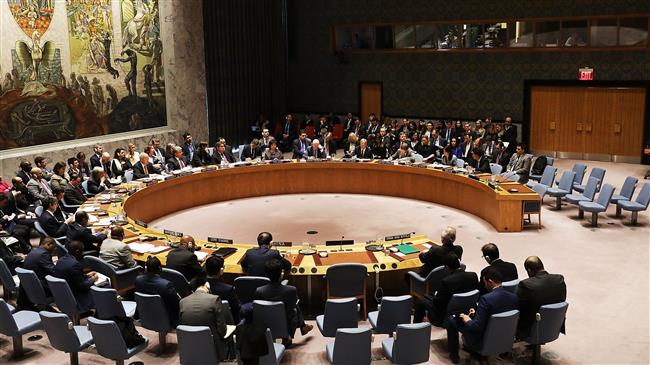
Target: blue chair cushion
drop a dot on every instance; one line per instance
(129, 307)
(320, 322)
(591, 207)
(579, 188)
(329, 350)
(576, 198)
(27, 321)
(387, 346)
(617, 198)
(279, 351)
(630, 206)
(556, 192)
(372, 318)
(84, 335)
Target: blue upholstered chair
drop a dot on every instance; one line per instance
(499, 333)
(109, 342)
(641, 203)
(563, 188)
(33, 287)
(392, 312)
(409, 345)
(596, 172)
(16, 325)
(579, 170)
(107, 306)
(179, 281)
(63, 297)
(627, 191)
(419, 286)
(550, 161)
(339, 313)
(195, 345)
(245, 287)
(600, 205)
(275, 351)
(346, 281)
(65, 337)
(587, 196)
(462, 302)
(121, 280)
(350, 347)
(460, 163)
(9, 287)
(272, 316)
(153, 316)
(511, 285)
(495, 168)
(546, 179)
(547, 328)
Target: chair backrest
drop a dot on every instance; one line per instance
(63, 296)
(418, 157)
(460, 162)
(579, 171)
(511, 285)
(412, 343)
(7, 280)
(435, 276)
(84, 185)
(605, 195)
(567, 180)
(32, 286)
(60, 248)
(60, 331)
(352, 346)
(547, 329)
(178, 279)
(101, 266)
(462, 302)
(108, 339)
(40, 229)
(340, 313)
(346, 280)
(272, 316)
(106, 304)
(549, 161)
(629, 186)
(590, 188)
(38, 210)
(495, 168)
(644, 195)
(128, 176)
(393, 311)
(245, 287)
(548, 176)
(598, 173)
(195, 345)
(271, 356)
(500, 333)
(540, 189)
(152, 311)
(8, 325)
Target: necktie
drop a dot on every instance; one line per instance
(45, 187)
(144, 169)
(180, 163)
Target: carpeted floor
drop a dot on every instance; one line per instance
(606, 268)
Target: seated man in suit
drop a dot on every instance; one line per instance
(201, 156)
(222, 156)
(508, 270)
(38, 187)
(183, 259)
(73, 193)
(362, 150)
(251, 151)
(474, 323)
(39, 260)
(403, 154)
(519, 165)
(479, 162)
(435, 304)
(214, 266)
(435, 255)
(144, 167)
(539, 289)
(95, 159)
(79, 231)
(276, 292)
(153, 284)
(266, 139)
(70, 268)
(254, 261)
(501, 155)
(426, 149)
(115, 252)
(315, 151)
(49, 222)
(178, 161)
(301, 146)
(98, 181)
(204, 309)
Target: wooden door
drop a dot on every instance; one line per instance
(543, 119)
(626, 128)
(569, 141)
(598, 114)
(370, 95)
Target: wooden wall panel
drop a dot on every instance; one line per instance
(371, 99)
(543, 118)
(570, 120)
(626, 130)
(599, 110)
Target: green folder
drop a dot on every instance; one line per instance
(406, 249)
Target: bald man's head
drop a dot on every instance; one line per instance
(533, 265)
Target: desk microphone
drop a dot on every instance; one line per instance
(341, 244)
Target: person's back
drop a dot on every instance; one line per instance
(69, 268)
(507, 270)
(40, 261)
(287, 294)
(115, 252)
(456, 282)
(214, 267)
(153, 284)
(255, 259)
(183, 259)
(436, 254)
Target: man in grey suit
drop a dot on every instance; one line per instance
(115, 252)
(519, 165)
(204, 309)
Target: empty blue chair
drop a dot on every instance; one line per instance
(546, 179)
(275, 351)
(154, 316)
(346, 281)
(63, 297)
(33, 287)
(511, 285)
(587, 196)
(107, 306)
(245, 287)
(596, 172)
(563, 188)
(272, 316)
(339, 313)
(626, 193)
(350, 347)
(7, 280)
(495, 168)
(195, 345)
(16, 325)
(579, 170)
(109, 342)
(179, 281)
(641, 202)
(121, 280)
(409, 345)
(541, 190)
(499, 334)
(600, 205)
(549, 161)
(460, 163)
(547, 327)
(423, 285)
(462, 302)
(392, 311)
(65, 337)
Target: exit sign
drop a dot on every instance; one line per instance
(586, 74)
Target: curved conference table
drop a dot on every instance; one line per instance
(501, 206)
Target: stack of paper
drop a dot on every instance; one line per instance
(200, 255)
(141, 247)
(102, 280)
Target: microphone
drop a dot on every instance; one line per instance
(341, 244)
(376, 268)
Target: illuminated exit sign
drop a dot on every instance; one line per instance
(586, 74)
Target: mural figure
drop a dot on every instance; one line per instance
(131, 78)
(35, 55)
(107, 55)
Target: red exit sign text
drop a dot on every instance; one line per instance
(586, 74)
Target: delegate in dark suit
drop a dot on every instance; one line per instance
(95, 187)
(363, 153)
(77, 232)
(74, 195)
(51, 225)
(541, 289)
(139, 171)
(286, 294)
(301, 148)
(226, 291)
(95, 160)
(184, 261)
(203, 309)
(218, 158)
(435, 257)
(174, 163)
(456, 282)
(154, 284)
(255, 259)
(508, 272)
(482, 165)
(39, 260)
(318, 153)
(69, 268)
(252, 153)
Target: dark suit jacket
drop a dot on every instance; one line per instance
(74, 195)
(183, 261)
(454, 283)
(426, 151)
(95, 161)
(138, 170)
(286, 294)
(297, 146)
(70, 269)
(156, 285)
(247, 152)
(10, 258)
(435, 257)
(203, 309)
(316, 154)
(77, 232)
(201, 158)
(510, 135)
(24, 176)
(226, 291)
(227, 154)
(40, 261)
(482, 165)
(51, 225)
(255, 259)
(541, 289)
(367, 153)
(508, 272)
(497, 301)
(94, 187)
(174, 164)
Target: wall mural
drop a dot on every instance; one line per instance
(115, 81)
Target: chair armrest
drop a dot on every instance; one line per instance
(126, 277)
(415, 276)
(137, 268)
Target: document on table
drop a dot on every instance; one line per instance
(102, 280)
(141, 247)
(201, 255)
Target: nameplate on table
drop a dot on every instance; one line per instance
(282, 244)
(397, 237)
(220, 240)
(141, 223)
(339, 243)
(172, 233)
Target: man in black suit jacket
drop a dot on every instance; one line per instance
(70, 268)
(183, 259)
(73, 193)
(479, 162)
(362, 150)
(251, 151)
(539, 289)
(178, 161)
(39, 260)
(315, 151)
(214, 266)
(152, 283)
(435, 255)
(143, 168)
(25, 172)
(79, 231)
(96, 158)
(509, 134)
(254, 261)
(50, 224)
(301, 146)
(508, 270)
(287, 294)
(501, 156)
(222, 156)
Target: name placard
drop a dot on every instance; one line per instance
(172, 233)
(220, 240)
(397, 237)
(141, 223)
(282, 244)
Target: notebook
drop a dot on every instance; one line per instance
(406, 249)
